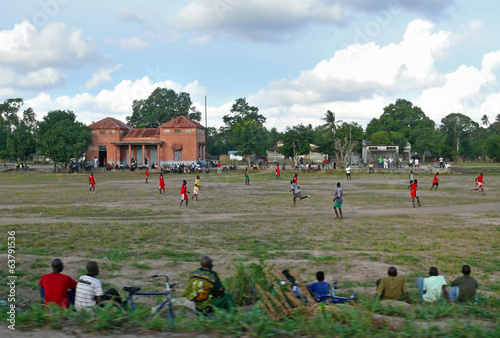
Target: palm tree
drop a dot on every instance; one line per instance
(331, 123)
(485, 120)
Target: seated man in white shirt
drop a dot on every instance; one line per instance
(433, 287)
(89, 289)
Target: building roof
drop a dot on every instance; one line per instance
(182, 122)
(141, 132)
(109, 123)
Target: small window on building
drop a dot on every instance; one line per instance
(111, 131)
(177, 131)
(372, 148)
(102, 132)
(92, 132)
(166, 131)
(178, 155)
(188, 130)
(391, 148)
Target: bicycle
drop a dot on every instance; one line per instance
(133, 291)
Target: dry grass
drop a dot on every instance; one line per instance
(134, 232)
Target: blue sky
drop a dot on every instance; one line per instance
(294, 59)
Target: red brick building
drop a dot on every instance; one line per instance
(180, 140)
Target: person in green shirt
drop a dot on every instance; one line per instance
(206, 290)
(463, 289)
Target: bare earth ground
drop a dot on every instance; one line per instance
(134, 232)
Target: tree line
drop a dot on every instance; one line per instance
(62, 138)
(458, 136)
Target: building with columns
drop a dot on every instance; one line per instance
(180, 140)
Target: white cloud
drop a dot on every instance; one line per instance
(467, 90)
(115, 103)
(53, 46)
(260, 20)
(358, 81)
(131, 43)
(33, 59)
(102, 75)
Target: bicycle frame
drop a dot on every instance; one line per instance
(168, 299)
(159, 308)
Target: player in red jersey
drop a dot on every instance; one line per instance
(184, 192)
(91, 183)
(414, 193)
(278, 174)
(162, 183)
(479, 183)
(147, 175)
(435, 181)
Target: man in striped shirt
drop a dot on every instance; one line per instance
(88, 289)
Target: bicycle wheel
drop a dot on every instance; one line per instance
(111, 303)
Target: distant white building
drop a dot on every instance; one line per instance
(233, 156)
(371, 152)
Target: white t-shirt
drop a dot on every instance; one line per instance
(348, 170)
(416, 162)
(87, 289)
(434, 288)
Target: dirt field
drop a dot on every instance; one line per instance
(134, 232)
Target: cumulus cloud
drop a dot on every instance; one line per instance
(115, 103)
(258, 20)
(358, 81)
(33, 59)
(361, 70)
(102, 75)
(467, 90)
(55, 45)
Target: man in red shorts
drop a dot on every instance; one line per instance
(479, 183)
(184, 192)
(414, 193)
(147, 175)
(91, 183)
(162, 184)
(55, 286)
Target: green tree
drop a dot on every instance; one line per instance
(458, 129)
(492, 146)
(330, 121)
(244, 130)
(485, 120)
(409, 120)
(22, 141)
(297, 141)
(62, 138)
(9, 120)
(389, 138)
(216, 142)
(161, 106)
(275, 135)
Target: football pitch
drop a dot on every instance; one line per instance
(133, 232)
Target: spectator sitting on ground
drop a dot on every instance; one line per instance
(320, 288)
(431, 288)
(205, 289)
(463, 289)
(393, 286)
(55, 286)
(89, 289)
(291, 280)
